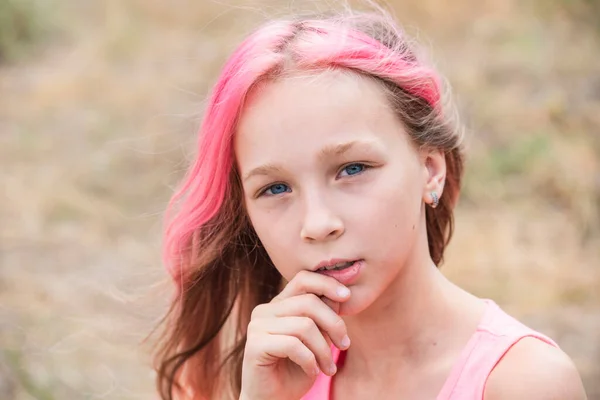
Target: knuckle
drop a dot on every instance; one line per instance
(279, 297)
(309, 304)
(257, 312)
(303, 273)
(295, 346)
(312, 300)
(339, 323)
(307, 325)
(316, 304)
(252, 327)
(302, 353)
(298, 284)
(310, 358)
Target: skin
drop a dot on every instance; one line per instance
(310, 204)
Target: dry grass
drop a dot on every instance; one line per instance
(97, 125)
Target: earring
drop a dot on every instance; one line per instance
(435, 199)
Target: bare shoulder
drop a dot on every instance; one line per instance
(532, 369)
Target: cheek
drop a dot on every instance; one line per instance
(390, 215)
(274, 236)
(393, 219)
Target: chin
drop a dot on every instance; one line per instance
(357, 303)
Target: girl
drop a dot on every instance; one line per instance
(309, 229)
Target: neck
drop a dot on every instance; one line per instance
(409, 324)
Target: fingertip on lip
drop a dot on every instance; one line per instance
(343, 291)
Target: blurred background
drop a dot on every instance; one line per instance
(100, 101)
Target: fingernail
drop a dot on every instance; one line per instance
(343, 291)
(346, 341)
(317, 371)
(332, 369)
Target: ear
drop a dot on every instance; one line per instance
(434, 172)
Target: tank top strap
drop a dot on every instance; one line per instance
(495, 336)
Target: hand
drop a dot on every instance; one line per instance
(289, 339)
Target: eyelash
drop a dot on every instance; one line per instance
(364, 166)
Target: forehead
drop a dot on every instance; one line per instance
(303, 113)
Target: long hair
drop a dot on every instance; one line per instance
(210, 248)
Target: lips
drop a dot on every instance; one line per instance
(346, 276)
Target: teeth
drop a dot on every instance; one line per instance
(337, 266)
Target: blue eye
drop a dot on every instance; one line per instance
(279, 188)
(276, 189)
(354, 169)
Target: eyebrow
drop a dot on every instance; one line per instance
(333, 150)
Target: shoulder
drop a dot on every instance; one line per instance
(533, 369)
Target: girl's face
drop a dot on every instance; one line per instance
(329, 172)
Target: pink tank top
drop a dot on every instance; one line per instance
(496, 334)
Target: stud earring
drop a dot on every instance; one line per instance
(435, 199)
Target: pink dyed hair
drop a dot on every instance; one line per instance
(311, 45)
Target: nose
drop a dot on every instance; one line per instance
(321, 222)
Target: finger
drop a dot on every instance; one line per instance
(307, 331)
(283, 346)
(327, 338)
(335, 306)
(312, 282)
(309, 305)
